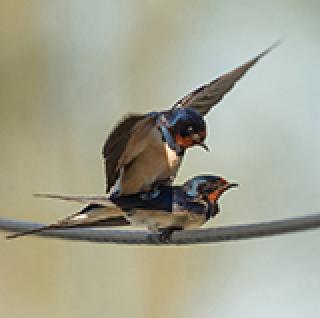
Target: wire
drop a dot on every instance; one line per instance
(200, 236)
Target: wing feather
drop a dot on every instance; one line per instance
(206, 96)
(124, 144)
(93, 215)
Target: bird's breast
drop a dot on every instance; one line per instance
(172, 158)
(156, 163)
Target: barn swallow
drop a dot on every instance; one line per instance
(145, 150)
(176, 208)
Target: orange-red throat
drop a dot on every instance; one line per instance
(191, 140)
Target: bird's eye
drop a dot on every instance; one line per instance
(187, 131)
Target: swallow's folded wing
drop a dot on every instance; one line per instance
(97, 206)
(205, 97)
(100, 211)
(124, 144)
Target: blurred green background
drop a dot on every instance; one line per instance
(70, 69)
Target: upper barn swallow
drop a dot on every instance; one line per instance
(176, 208)
(145, 150)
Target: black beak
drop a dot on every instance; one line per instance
(204, 146)
(231, 185)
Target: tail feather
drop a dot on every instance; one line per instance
(114, 221)
(93, 215)
(32, 231)
(100, 199)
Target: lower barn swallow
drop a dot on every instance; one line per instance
(176, 208)
(144, 150)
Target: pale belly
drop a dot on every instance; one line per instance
(156, 163)
(155, 220)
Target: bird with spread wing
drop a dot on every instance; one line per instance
(145, 150)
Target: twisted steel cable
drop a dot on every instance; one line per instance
(200, 236)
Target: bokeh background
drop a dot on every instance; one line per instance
(70, 69)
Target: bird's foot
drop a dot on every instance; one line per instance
(166, 233)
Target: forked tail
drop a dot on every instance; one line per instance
(92, 215)
(94, 199)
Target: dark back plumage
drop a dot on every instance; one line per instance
(170, 199)
(163, 202)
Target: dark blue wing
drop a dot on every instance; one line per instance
(163, 202)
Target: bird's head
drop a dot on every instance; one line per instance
(187, 128)
(207, 187)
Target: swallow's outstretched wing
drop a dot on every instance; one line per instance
(99, 212)
(206, 96)
(132, 136)
(124, 144)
